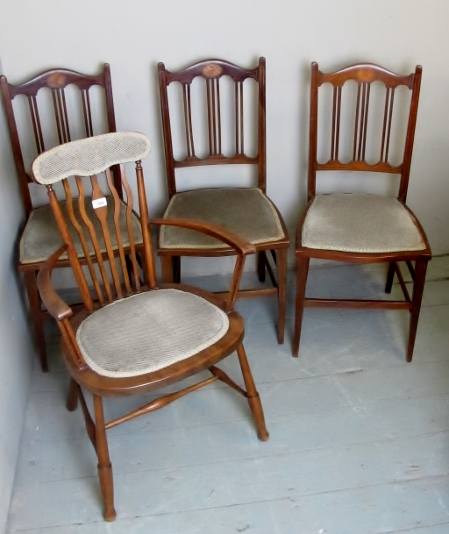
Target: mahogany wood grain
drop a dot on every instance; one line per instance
(364, 75)
(111, 273)
(47, 125)
(211, 73)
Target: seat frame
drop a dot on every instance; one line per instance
(363, 74)
(56, 80)
(212, 70)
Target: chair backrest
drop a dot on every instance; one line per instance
(105, 226)
(374, 120)
(220, 110)
(46, 115)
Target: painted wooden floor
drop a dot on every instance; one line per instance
(359, 439)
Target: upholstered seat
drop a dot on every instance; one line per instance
(360, 223)
(41, 236)
(246, 211)
(167, 326)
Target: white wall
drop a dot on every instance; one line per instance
(134, 35)
(15, 343)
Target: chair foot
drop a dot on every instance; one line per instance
(107, 490)
(257, 411)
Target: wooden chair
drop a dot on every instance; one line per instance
(52, 108)
(133, 337)
(363, 228)
(212, 122)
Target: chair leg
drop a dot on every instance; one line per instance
(418, 288)
(104, 463)
(252, 395)
(390, 277)
(72, 397)
(36, 316)
(176, 262)
(282, 291)
(302, 269)
(167, 269)
(261, 259)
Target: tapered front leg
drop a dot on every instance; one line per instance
(253, 396)
(418, 289)
(104, 463)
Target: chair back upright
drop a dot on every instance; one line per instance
(369, 115)
(107, 227)
(218, 107)
(44, 112)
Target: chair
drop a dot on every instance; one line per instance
(50, 109)
(360, 227)
(219, 119)
(135, 335)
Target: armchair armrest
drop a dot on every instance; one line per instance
(53, 302)
(240, 245)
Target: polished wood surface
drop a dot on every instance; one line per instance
(106, 279)
(209, 98)
(366, 111)
(47, 125)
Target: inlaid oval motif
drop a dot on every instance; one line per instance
(212, 70)
(366, 75)
(56, 80)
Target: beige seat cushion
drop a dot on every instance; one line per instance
(247, 212)
(149, 331)
(360, 223)
(41, 236)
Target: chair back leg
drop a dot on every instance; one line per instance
(281, 260)
(302, 270)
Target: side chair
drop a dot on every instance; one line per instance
(135, 335)
(363, 127)
(213, 116)
(49, 109)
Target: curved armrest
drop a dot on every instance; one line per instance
(53, 302)
(240, 245)
(214, 230)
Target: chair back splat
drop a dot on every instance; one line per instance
(106, 227)
(212, 75)
(369, 124)
(62, 117)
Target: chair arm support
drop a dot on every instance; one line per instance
(214, 230)
(53, 302)
(240, 245)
